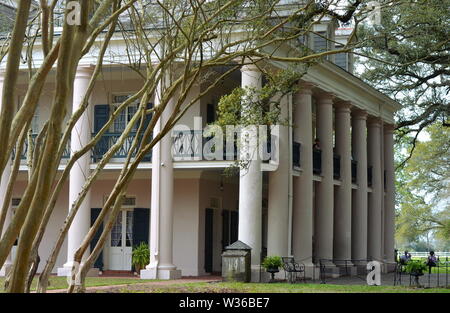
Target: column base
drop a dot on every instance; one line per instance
(6, 269)
(330, 270)
(388, 267)
(160, 273)
(312, 272)
(256, 273)
(67, 268)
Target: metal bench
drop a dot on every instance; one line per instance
(292, 269)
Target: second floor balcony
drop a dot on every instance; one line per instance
(108, 140)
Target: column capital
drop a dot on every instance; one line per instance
(374, 121)
(306, 88)
(324, 97)
(359, 114)
(343, 106)
(389, 128)
(84, 71)
(250, 68)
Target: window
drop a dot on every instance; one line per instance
(341, 59)
(320, 42)
(125, 116)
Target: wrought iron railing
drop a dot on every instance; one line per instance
(336, 166)
(23, 155)
(109, 139)
(296, 146)
(354, 171)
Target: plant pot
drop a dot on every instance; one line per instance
(272, 271)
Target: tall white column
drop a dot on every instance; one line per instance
(278, 201)
(359, 201)
(161, 237)
(389, 199)
(250, 183)
(3, 187)
(302, 219)
(323, 234)
(80, 136)
(376, 196)
(343, 205)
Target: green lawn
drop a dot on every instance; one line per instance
(123, 285)
(276, 288)
(61, 282)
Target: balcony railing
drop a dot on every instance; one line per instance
(354, 171)
(108, 140)
(369, 176)
(23, 155)
(188, 145)
(317, 161)
(296, 146)
(336, 166)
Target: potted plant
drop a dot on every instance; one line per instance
(416, 268)
(140, 256)
(272, 265)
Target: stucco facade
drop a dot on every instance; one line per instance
(335, 204)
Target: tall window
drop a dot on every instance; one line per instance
(125, 116)
(320, 42)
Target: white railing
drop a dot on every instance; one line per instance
(425, 254)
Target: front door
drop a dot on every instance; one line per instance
(122, 242)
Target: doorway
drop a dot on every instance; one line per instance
(121, 242)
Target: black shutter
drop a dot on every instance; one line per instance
(225, 229)
(209, 220)
(141, 217)
(210, 113)
(234, 226)
(101, 116)
(94, 214)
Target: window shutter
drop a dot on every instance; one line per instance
(95, 212)
(141, 222)
(101, 116)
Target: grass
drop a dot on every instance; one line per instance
(229, 287)
(128, 285)
(301, 288)
(61, 282)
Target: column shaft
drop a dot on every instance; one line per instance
(80, 136)
(161, 237)
(375, 197)
(250, 182)
(343, 205)
(389, 200)
(359, 201)
(302, 218)
(278, 202)
(323, 234)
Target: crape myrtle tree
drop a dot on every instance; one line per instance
(171, 45)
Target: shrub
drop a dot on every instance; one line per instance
(141, 256)
(272, 262)
(414, 266)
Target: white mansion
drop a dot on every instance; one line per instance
(334, 203)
